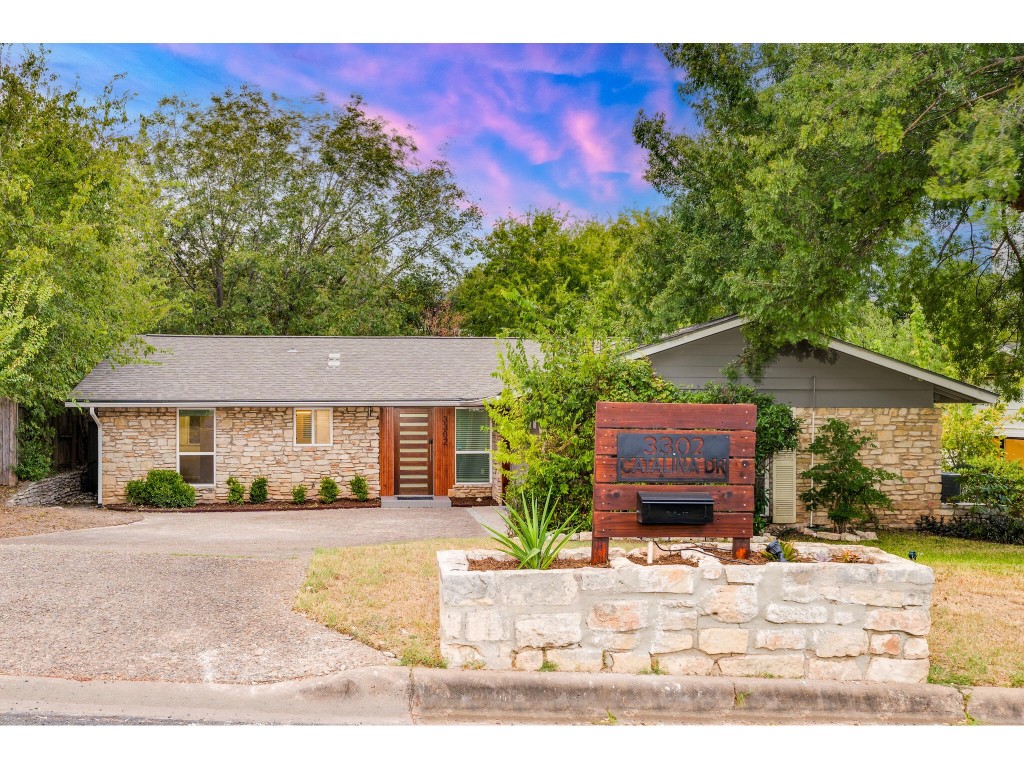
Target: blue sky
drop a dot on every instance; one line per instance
(523, 126)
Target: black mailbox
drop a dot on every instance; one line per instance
(655, 508)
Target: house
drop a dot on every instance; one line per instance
(406, 413)
(894, 401)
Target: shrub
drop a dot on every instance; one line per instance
(35, 447)
(1001, 529)
(545, 413)
(359, 488)
(298, 494)
(843, 485)
(328, 490)
(532, 538)
(161, 488)
(258, 490)
(994, 482)
(236, 491)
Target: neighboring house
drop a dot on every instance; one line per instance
(1012, 431)
(892, 400)
(406, 413)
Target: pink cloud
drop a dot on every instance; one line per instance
(593, 148)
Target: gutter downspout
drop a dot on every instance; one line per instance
(99, 456)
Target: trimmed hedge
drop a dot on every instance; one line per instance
(359, 487)
(258, 490)
(1001, 529)
(161, 488)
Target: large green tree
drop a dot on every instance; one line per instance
(534, 268)
(77, 230)
(296, 218)
(822, 176)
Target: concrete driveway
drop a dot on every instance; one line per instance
(189, 597)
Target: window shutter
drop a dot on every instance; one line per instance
(784, 487)
(303, 427)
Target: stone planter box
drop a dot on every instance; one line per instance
(822, 620)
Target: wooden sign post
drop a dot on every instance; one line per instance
(673, 448)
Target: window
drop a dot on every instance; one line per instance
(313, 426)
(196, 432)
(472, 446)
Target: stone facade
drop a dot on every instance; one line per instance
(822, 620)
(250, 442)
(909, 442)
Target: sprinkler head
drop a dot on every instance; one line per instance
(912, 554)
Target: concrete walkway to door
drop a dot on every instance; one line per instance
(203, 597)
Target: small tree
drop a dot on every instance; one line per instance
(842, 484)
(970, 434)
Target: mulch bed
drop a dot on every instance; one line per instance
(275, 506)
(475, 501)
(676, 558)
(673, 559)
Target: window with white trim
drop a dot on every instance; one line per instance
(313, 426)
(472, 447)
(196, 441)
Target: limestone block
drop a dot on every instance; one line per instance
(780, 639)
(779, 613)
(451, 624)
(839, 642)
(744, 574)
(834, 669)
(882, 669)
(712, 572)
(886, 644)
(547, 630)
(469, 588)
(528, 661)
(615, 641)
(618, 615)
(673, 615)
(630, 662)
(789, 665)
(576, 659)
(915, 648)
(686, 663)
(538, 588)
(670, 642)
(718, 640)
(913, 621)
(730, 604)
(486, 625)
(892, 598)
(666, 578)
(846, 615)
(597, 579)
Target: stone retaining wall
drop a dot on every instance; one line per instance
(825, 621)
(64, 488)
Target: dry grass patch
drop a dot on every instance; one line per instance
(385, 595)
(977, 635)
(30, 521)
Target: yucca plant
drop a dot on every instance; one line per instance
(531, 539)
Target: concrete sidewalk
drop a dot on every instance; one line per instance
(395, 695)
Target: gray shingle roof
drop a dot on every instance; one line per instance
(289, 370)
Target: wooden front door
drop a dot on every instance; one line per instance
(414, 465)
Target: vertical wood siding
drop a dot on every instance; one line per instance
(8, 441)
(387, 451)
(444, 450)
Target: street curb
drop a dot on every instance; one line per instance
(441, 695)
(400, 695)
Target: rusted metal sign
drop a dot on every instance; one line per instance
(672, 457)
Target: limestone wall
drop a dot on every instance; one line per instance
(826, 621)
(909, 443)
(249, 442)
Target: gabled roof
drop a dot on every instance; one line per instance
(953, 390)
(300, 370)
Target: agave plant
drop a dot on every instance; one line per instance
(531, 539)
